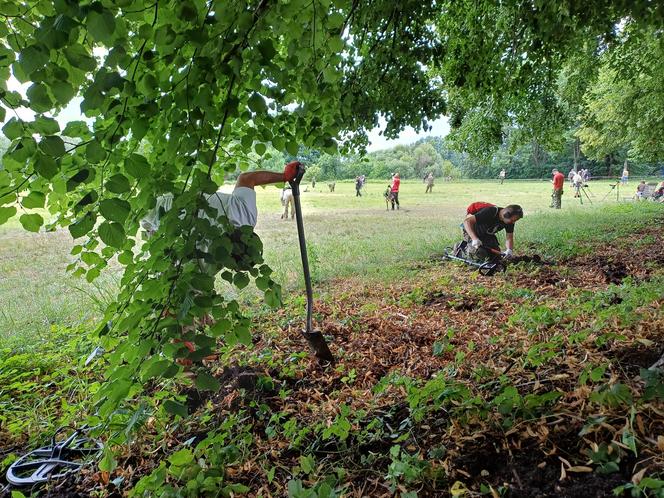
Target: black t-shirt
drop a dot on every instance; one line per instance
(488, 222)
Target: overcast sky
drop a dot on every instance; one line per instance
(439, 128)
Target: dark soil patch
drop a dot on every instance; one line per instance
(535, 259)
(532, 473)
(614, 272)
(637, 356)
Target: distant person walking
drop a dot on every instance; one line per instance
(313, 182)
(502, 175)
(577, 182)
(625, 175)
(429, 182)
(287, 201)
(570, 177)
(358, 186)
(331, 186)
(394, 189)
(558, 182)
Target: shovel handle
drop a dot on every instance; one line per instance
(295, 187)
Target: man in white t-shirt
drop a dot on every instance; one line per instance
(239, 206)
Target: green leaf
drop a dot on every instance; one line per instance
(118, 184)
(32, 58)
(31, 222)
(101, 25)
(94, 152)
(137, 166)
(220, 328)
(62, 91)
(34, 200)
(175, 408)
(115, 209)
(260, 148)
(272, 298)
(182, 457)
(292, 148)
(257, 103)
(39, 98)
(78, 56)
(335, 20)
(83, 225)
(241, 280)
(336, 44)
(52, 146)
(46, 126)
(13, 129)
(156, 369)
(77, 129)
(206, 382)
(6, 213)
(112, 234)
(108, 463)
(46, 166)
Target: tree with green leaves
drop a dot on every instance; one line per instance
(177, 94)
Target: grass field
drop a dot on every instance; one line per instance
(347, 236)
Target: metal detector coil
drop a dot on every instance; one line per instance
(55, 461)
(486, 269)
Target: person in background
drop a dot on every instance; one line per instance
(577, 182)
(640, 190)
(313, 182)
(625, 175)
(287, 201)
(394, 189)
(358, 186)
(570, 177)
(558, 182)
(502, 175)
(429, 181)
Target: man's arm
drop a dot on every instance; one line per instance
(256, 178)
(509, 241)
(469, 225)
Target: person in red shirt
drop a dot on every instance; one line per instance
(396, 181)
(556, 196)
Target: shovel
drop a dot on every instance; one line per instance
(314, 337)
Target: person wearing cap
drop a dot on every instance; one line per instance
(558, 182)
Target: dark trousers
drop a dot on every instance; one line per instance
(395, 199)
(358, 191)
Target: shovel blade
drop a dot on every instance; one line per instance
(318, 345)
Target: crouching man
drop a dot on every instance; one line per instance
(483, 221)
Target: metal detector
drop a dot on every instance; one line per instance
(486, 269)
(55, 461)
(314, 337)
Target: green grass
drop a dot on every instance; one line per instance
(348, 237)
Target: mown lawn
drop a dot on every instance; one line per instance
(346, 235)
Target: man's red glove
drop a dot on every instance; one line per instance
(290, 171)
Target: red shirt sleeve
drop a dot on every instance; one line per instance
(558, 180)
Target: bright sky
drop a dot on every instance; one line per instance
(439, 128)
